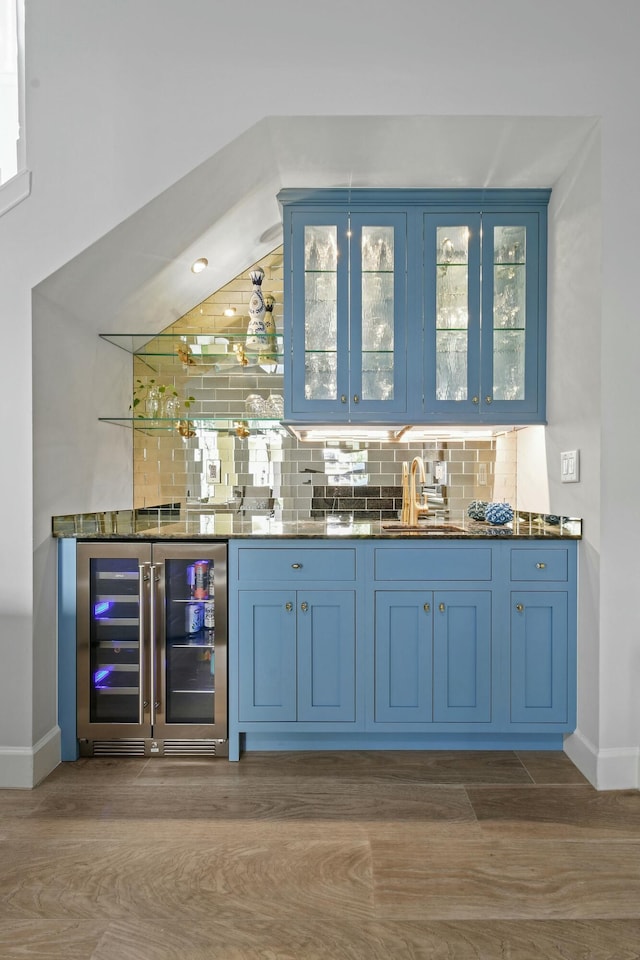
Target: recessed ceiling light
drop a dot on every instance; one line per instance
(199, 265)
(230, 312)
(271, 233)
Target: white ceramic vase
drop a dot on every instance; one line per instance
(256, 331)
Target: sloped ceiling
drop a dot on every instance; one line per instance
(137, 278)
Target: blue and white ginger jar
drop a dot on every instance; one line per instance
(498, 513)
(476, 509)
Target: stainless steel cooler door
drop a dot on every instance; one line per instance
(113, 680)
(189, 656)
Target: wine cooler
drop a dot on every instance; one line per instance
(152, 649)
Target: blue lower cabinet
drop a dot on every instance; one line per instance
(409, 646)
(539, 656)
(432, 656)
(326, 655)
(403, 656)
(296, 655)
(462, 656)
(267, 655)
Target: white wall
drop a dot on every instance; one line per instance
(112, 120)
(574, 399)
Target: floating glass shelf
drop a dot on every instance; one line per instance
(191, 426)
(228, 351)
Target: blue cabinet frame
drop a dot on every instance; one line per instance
(432, 656)
(416, 215)
(349, 402)
(539, 657)
(442, 654)
(297, 653)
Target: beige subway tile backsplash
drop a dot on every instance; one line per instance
(168, 468)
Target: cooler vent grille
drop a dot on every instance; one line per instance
(118, 748)
(186, 748)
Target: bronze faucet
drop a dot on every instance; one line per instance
(412, 506)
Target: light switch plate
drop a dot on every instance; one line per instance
(570, 466)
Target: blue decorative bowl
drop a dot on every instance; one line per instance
(476, 509)
(498, 513)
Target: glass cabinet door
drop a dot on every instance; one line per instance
(378, 329)
(348, 316)
(511, 352)
(112, 613)
(452, 314)
(320, 335)
(189, 655)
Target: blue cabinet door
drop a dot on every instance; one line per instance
(462, 656)
(513, 347)
(378, 314)
(326, 655)
(345, 322)
(539, 657)
(267, 655)
(316, 304)
(403, 656)
(297, 655)
(452, 315)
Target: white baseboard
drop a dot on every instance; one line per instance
(22, 768)
(615, 768)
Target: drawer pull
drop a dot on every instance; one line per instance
(519, 607)
(540, 566)
(441, 608)
(427, 608)
(304, 607)
(296, 566)
(288, 607)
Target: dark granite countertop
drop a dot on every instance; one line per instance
(167, 525)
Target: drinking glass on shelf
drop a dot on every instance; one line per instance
(255, 405)
(274, 406)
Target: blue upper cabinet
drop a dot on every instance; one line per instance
(346, 315)
(415, 306)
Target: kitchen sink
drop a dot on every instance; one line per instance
(424, 528)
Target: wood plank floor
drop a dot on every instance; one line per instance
(320, 856)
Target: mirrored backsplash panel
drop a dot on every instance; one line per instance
(270, 471)
(247, 464)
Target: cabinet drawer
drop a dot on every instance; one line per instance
(433, 563)
(539, 563)
(296, 565)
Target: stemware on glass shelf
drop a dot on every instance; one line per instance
(255, 405)
(452, 278)
(451, 365)
(274, 406)
(320, 247)
(321, 376)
